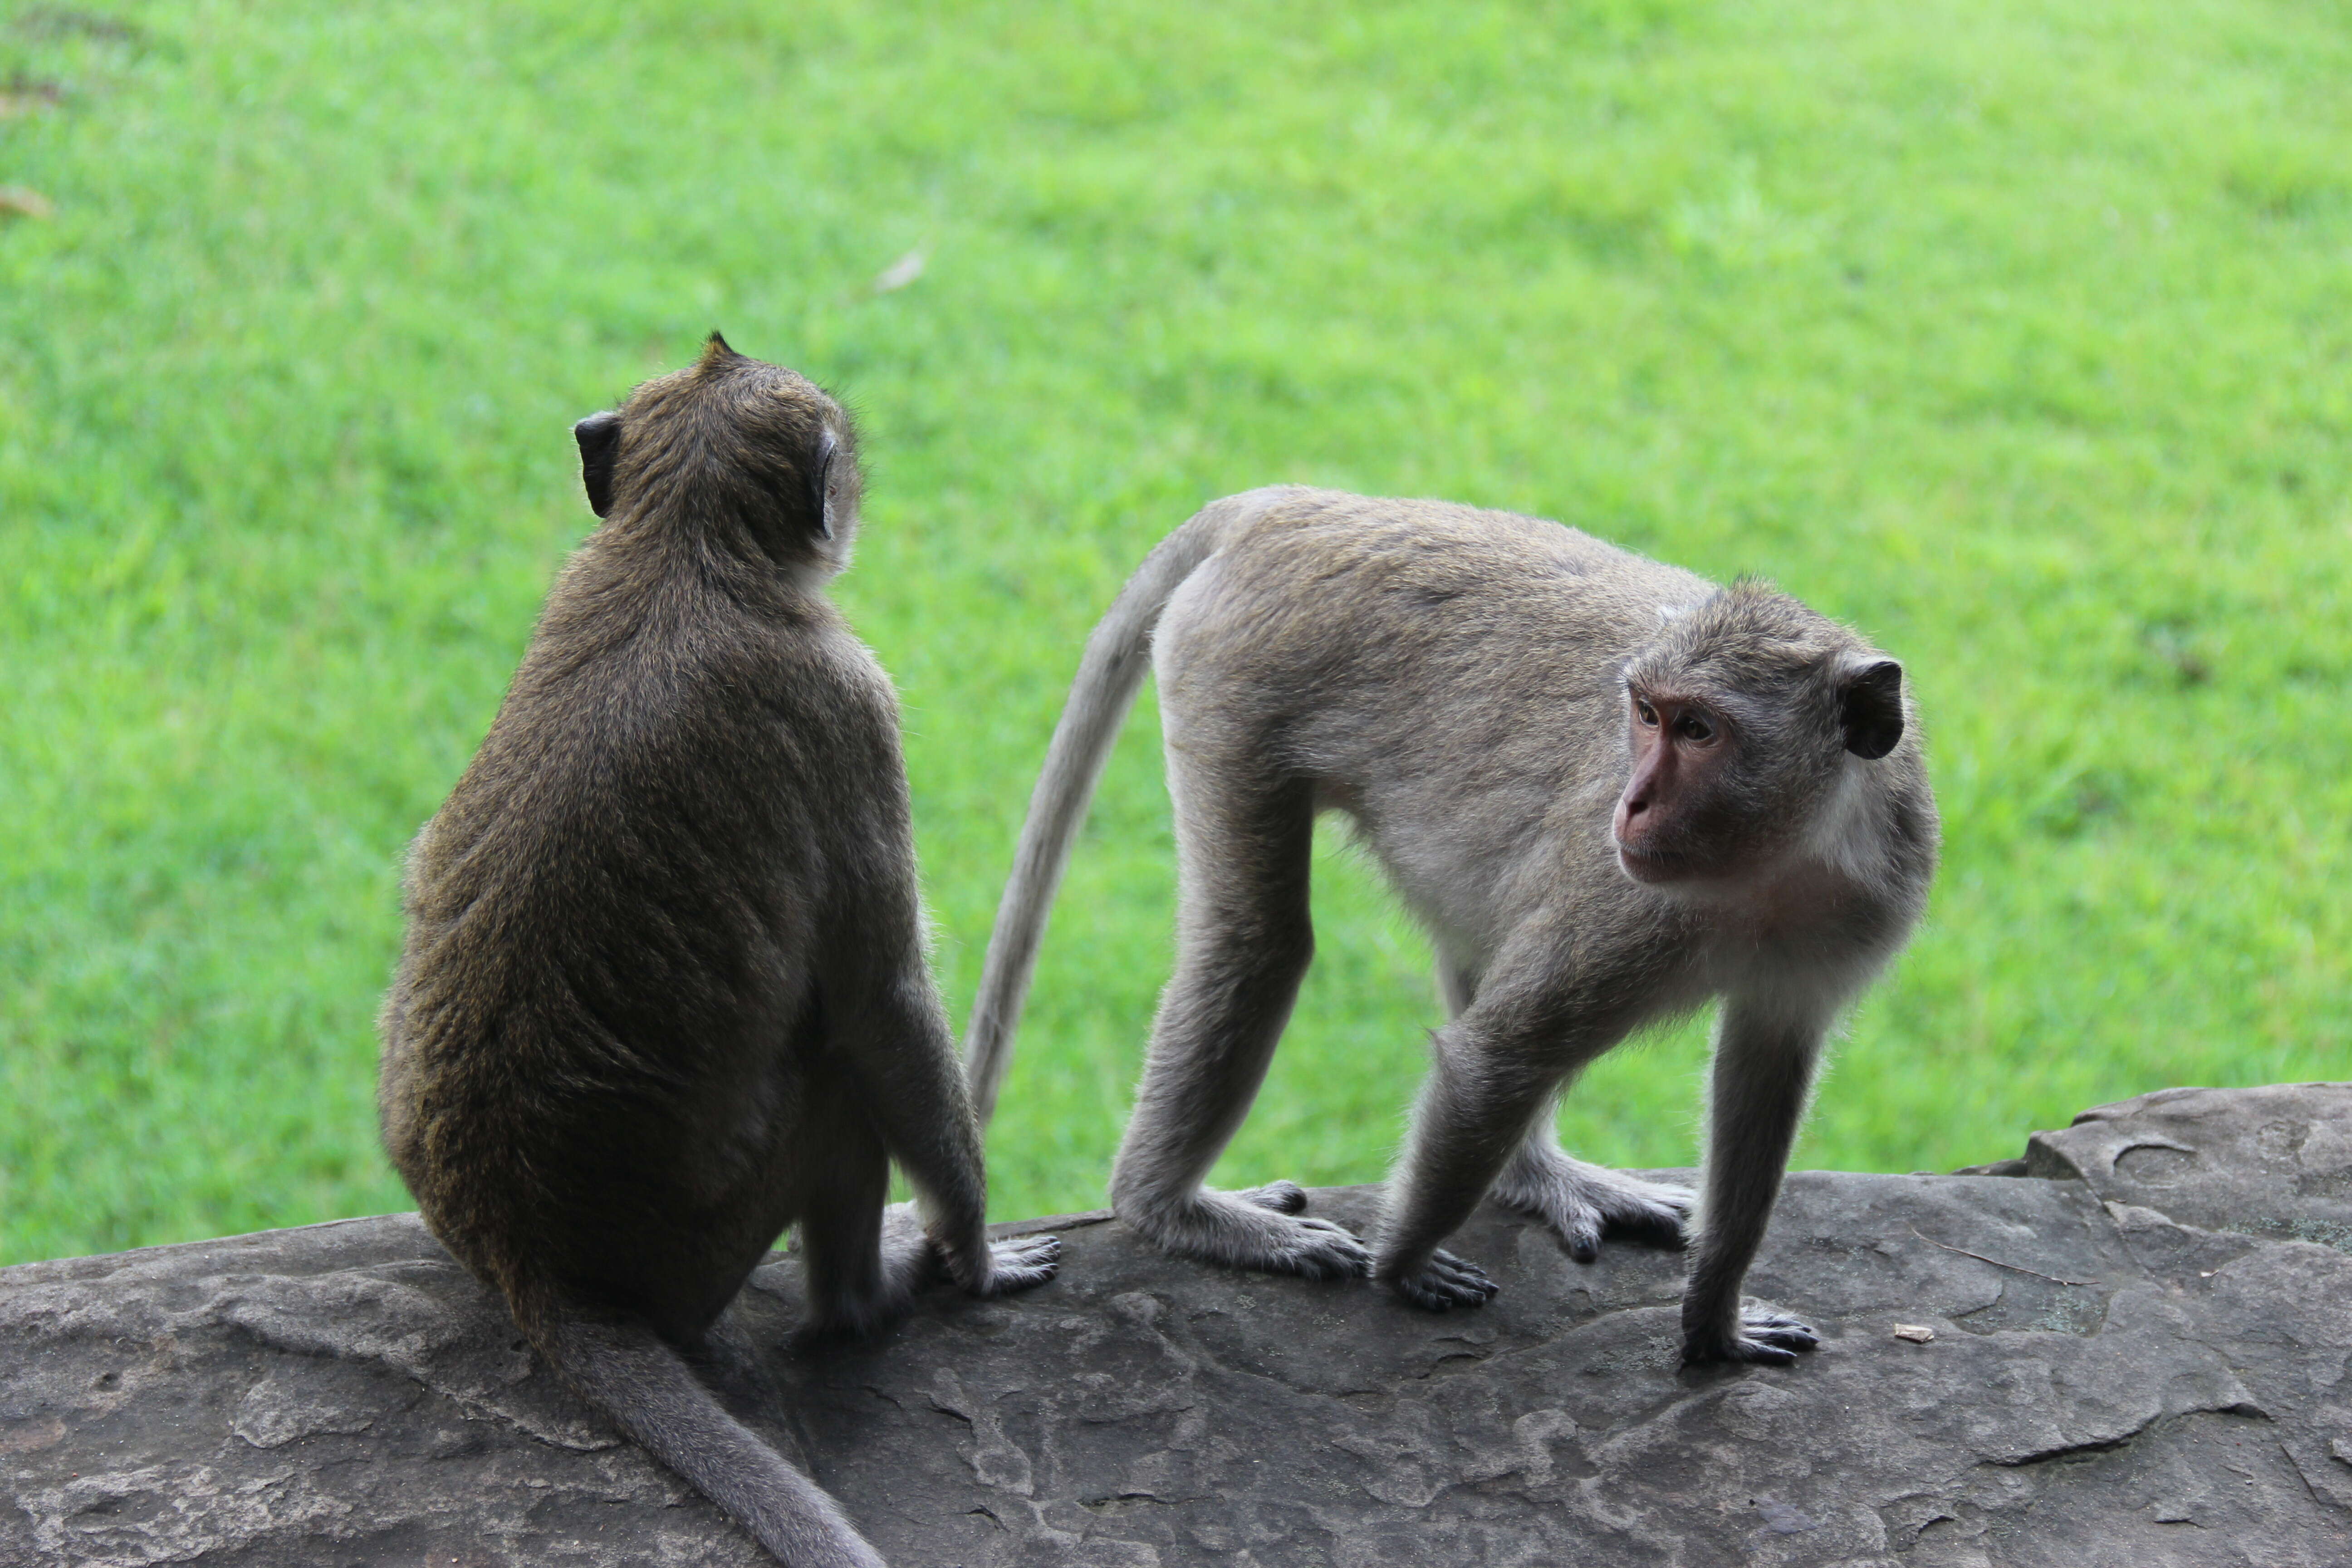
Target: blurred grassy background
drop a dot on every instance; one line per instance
(2015, 333)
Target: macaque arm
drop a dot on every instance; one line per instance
(1761, 1077)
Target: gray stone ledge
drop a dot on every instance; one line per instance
(2142, 1363)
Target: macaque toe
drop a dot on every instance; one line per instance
(1282, 1197)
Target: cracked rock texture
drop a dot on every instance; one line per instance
(2142, 1363)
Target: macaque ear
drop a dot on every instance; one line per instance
(1870, 708)
(599, 436)
(823, 499)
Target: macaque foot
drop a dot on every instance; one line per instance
(1763, 1339)
(1443, 1283)
(1581, 1203)
(1253, 1229)
(1020, 1263)
(912, 1258)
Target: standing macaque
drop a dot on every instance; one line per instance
(665, 992)
(1610, 790)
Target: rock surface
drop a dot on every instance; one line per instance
(2144, 1365)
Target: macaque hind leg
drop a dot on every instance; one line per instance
(1244, 942)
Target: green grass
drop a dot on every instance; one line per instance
(2015, 333)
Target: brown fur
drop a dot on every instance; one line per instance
(664, 991)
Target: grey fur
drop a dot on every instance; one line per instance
(664, 990)
(1457, 682)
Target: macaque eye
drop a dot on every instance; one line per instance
(1694, 727)
(1645, 713)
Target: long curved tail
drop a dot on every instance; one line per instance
(1108, 677)
(618, 1363)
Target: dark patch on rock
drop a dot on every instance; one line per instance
(2110, 1382)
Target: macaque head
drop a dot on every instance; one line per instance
(748, 449)
(1742, 716)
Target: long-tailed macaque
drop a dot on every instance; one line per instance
(1610, 789)
(664, 991)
